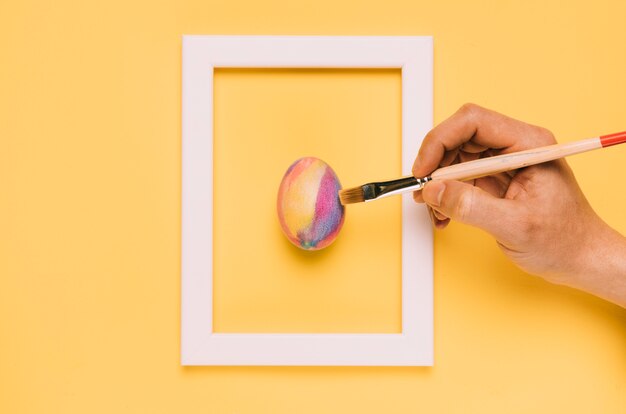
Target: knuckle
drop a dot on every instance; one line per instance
(545, 136)
(469, 109)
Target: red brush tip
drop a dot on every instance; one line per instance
(613, 139)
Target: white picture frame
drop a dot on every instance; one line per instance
(199, 344)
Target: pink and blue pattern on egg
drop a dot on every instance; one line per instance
(309, 210)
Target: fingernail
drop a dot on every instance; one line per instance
(431, 214)
(416, 164)
(440, 194)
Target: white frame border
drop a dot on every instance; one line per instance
(199, 345)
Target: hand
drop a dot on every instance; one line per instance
(538, 215)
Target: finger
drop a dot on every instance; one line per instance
(431, 214)
(417, 197)
(442, 224)
(471, 205)
(438, 223)
(449, 157)
(481, 126)
(468, 156)
(472, 147)
(439, 215)
(497, 186)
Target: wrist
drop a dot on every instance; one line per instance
(600, 267)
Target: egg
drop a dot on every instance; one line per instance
(308, 206)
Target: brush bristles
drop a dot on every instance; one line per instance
(351, 195)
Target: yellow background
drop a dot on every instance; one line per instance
(264, 121)
(90, 211)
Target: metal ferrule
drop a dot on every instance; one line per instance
(374, 191)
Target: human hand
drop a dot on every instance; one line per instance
(538, 215)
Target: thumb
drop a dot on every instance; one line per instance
(471, 205)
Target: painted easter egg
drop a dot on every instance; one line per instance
(309, 210)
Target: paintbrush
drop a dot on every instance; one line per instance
(478, 168)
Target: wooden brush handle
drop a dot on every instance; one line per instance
(507, 162)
